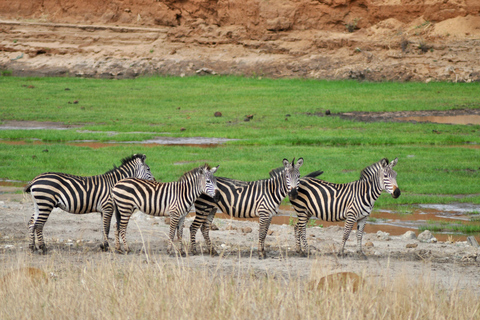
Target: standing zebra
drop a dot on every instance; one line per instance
(241, 199)
(161, 199)
(79, 195)
(351, 201)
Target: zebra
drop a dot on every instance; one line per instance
(161, 199)
(351, 201)
(79, 195)
(242, 199)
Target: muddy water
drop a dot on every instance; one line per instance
(459, 119)
(387, 221)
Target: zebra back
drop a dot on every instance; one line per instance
(157, 198)
(242, 199)
(331, 201)
(79, 194)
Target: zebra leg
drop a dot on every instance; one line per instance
(264, 225)
(199, 220)
(360, 226)
(31, 234)
(206, 227)
(122, 223)
(174, 223)
(106, 220)
(301, 235)
(346, 232)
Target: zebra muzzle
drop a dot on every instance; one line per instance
(293, 194)
(396, 193)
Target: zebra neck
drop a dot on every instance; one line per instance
(277, 185)
(116, 175)
(372, 189)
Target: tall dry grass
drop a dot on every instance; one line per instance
(139, 287)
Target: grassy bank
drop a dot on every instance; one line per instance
(437, 162)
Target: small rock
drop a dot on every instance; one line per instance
(383, 235)
(230, 227)
(204, 71)
(270, 232)
(409, 235)
(247, 230)
(213, 226)
(470, 257)
(167, 220)
(412, 245)
(75, 102)
(182, 129)
(369, 244)
(425, 236)
(217, 114)
(327, 112)
(472, 241)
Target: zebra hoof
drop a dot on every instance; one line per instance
(213, 252)
(43, 248)
(303, 254)
(32, 248)
(104, 246)
(362, 256)
(193, 252)
(262, 256)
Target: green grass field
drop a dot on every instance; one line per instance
(437, 162)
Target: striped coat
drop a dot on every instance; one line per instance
(79, 195)
(352, 202)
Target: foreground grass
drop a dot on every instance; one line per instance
(126, 288)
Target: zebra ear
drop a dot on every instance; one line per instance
(384, 162)
(285, 163)
(214, 169)
(144, 157)
(299, 163)
(393, 163)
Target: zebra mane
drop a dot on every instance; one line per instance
(275, 172)
(194, 171)
(368, 172)
(125, 161)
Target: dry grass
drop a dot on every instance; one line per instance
(140, 287)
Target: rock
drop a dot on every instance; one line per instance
(425, 236)
(230, 227)
(369, 244)
(247, 230)
(167, 220)
(409, 235)
(383, 235)
(270, 232)
(213, 227)
(335, 281)
(204, 71)
(472, 241)
(412, 245)
(217, 114)
(182, 129)
(470, 257)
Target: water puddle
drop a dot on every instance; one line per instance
(458, 119)
(392, 222)
(201, 142)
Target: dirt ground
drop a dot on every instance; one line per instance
(378, 40)
(77, 239)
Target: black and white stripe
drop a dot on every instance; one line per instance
(351, 201)
(76, 194)
(161, 199)
(242, 199)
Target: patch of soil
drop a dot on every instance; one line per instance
(366, 40)
(400, 115)
(77, 239)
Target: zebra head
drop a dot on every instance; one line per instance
(141, 169)
(292, 176)
(208, 181)
(390, 178)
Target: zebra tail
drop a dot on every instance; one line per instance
(27, 187)
(313, 174)
(117, 214)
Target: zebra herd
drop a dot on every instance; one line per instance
(132, 187)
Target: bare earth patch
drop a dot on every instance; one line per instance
(77, 238)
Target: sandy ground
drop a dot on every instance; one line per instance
(77, 239)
